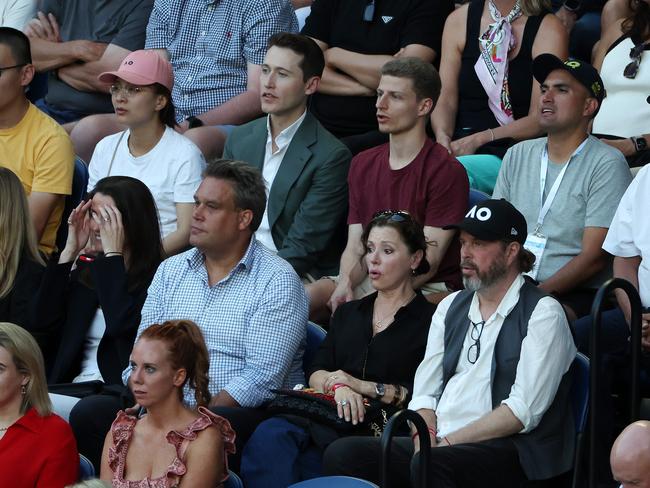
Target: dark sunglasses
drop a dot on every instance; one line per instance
(393, 215)
(632, 69)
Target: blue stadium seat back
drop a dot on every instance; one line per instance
(233, 481)
(315, 335)
(580, 391)
(476, 197)
(334, 481)
(79, 184)
(86, 468)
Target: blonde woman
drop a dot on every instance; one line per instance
(21, 265)
(36, 446)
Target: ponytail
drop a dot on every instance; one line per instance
(187, 350)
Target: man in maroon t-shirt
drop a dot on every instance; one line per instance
(409, 173)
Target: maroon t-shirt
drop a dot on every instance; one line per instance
(433, 188)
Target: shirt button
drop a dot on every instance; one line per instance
(186, 97)
(189, 78)
(202, 33)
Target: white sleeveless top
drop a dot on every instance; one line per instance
(625, 111)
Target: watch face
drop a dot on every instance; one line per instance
(380, 389)
(640, 143)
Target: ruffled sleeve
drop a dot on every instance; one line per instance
(180, 440)
(121, 430)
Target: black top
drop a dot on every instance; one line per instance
(395, 24)
(16, 305)
(67, 306)
(391, 356)
(474, 114)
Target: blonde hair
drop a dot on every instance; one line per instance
(535, 7)
(17, 236)
(28, 360)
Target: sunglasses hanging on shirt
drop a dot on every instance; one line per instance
(632, 69)
(369, 11)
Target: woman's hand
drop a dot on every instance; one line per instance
(111, 230)
(78, 232)
(469, 144)
(349, 405)
(341, 377)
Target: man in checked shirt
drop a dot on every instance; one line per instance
(248, 302)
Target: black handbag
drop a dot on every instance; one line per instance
(321, 408)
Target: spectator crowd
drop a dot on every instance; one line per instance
(192, 191)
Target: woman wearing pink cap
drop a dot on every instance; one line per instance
(150, 149)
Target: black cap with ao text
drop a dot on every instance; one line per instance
(494, 220)
(585, 73)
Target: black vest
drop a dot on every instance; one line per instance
(548, 450)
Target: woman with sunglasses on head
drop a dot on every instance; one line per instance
(149, 148)
(37, 448)
(21, 265)
(623, 60)
(172, 445)
(371, 351)
(90, 298)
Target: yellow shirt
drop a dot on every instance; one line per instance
(40, 152)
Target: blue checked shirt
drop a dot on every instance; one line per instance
(254, 320)
(210, 43)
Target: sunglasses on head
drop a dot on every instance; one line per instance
(393, 215)
(632, 69)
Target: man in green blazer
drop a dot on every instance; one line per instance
(305, 168)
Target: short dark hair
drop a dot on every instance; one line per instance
(410, 231)
(313, 60)
(168, 113)
(425, 78)
(247, 184)
(18, 44)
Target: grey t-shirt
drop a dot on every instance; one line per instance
(119, 22)
(589, 193)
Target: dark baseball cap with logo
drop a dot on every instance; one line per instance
(585, 73)
(494, 220)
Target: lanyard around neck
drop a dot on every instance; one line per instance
(546, 205)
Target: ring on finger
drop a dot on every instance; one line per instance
(106, 219)
(344, 403)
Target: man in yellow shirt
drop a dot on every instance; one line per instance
(32, 144)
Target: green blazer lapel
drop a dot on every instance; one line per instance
(251, 147)
(297, 155)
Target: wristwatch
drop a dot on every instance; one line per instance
(380, 390)
(640, 144)
(193, 122)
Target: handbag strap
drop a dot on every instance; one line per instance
(110, 166)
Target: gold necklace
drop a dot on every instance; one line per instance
(379, 324)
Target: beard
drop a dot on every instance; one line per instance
(497, 270)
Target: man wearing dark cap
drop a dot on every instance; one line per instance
(567, 185)
(493, 386)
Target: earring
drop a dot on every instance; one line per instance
(23, 390)
(413, 272)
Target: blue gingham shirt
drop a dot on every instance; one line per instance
(210, 43)
(254, 320)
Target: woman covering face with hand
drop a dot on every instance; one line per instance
(90, 298)
(371, 351)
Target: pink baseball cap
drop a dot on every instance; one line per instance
(143, 67)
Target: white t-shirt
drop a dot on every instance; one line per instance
(629, 232)
(171, 170)
(89, 367)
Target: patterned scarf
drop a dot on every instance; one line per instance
(492, 65)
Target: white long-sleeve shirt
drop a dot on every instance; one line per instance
(546, 355)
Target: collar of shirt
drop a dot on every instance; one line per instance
(508, 302)
(196, 260)
(30, 421)
(283, 138)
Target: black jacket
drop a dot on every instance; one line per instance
(66, 307)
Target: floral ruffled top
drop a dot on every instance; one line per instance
(122, 430)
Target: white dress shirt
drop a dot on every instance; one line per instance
(547, 352)
(272, 162)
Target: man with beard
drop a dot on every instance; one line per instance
(493, 387)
